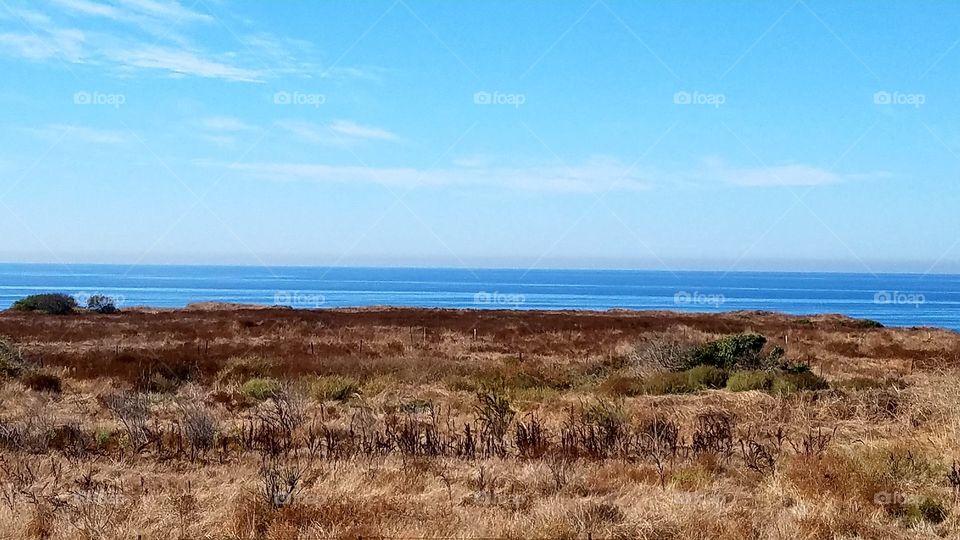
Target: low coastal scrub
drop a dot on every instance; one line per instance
(271, 424)
(52, 304)
(737, 363)
(62, 304)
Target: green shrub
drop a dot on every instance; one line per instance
(786, 382)
(53, 303)
(42, 382)
(668, 382)
(260, 389)
(335, 388)
(740, 350)
(755, 379)
(11, 359)
(100, 303)
(702, 377)
(776, 381)
(679, 382)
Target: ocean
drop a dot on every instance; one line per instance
(892, 299)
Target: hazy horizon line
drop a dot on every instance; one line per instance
(801, 266)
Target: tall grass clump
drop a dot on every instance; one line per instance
(335, 388)
(261, 389)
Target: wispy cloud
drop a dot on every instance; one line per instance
(155, 36)
(351, 129)
(226, 123)
(135, 10)
(336, 133)
(183, 62)
(780, 175)
(225, 131)
(597, 175)
(66, 133)
(593, 176)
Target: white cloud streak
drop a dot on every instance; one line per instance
(596, 175)
(148, 36)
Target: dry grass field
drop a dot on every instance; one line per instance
(232, 422)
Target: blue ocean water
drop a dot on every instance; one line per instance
(892, 299)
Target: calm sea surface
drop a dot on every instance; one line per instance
(893, 299)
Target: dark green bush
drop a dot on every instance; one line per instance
(53, 303)
(740, 350)
(703, 377)
(102, 304)
(867, 323)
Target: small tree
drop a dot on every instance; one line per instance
(101, 303)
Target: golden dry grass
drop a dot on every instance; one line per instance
(236, 423)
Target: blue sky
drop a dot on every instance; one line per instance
(725, 135)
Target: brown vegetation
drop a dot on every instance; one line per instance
(275, 423)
